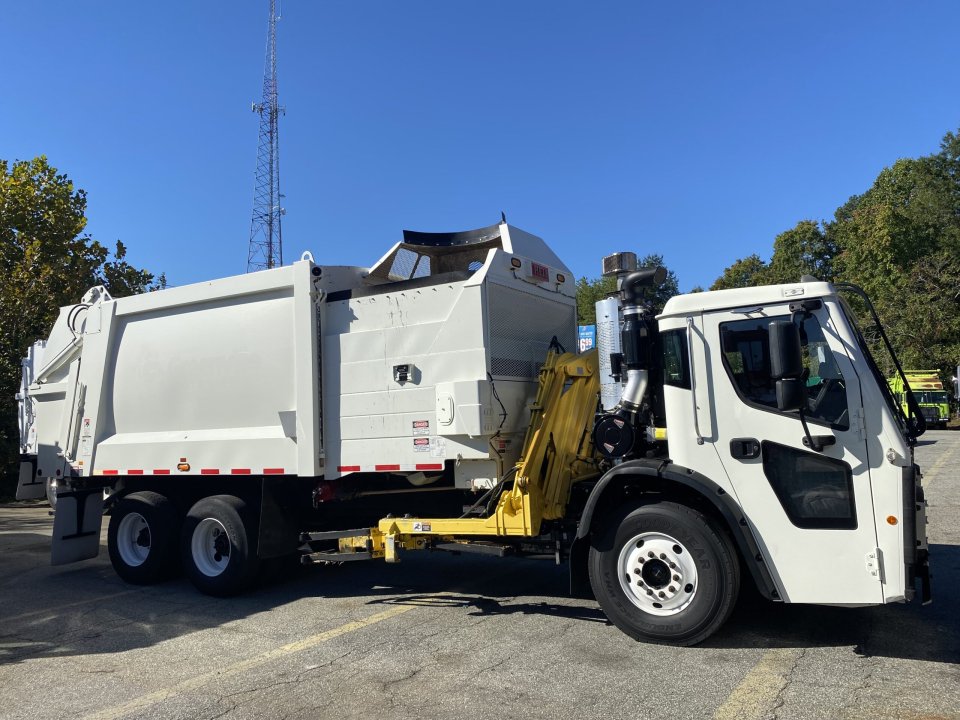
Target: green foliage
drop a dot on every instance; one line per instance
(804, 250)
(590, 291)
(746, 272)
(899, 241)
(46, 261)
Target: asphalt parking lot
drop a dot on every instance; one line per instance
(442, 636)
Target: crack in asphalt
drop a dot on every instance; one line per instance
(780, 698)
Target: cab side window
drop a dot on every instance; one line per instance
(746, 356)
(676, 365)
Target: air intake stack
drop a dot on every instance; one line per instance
(615, 434)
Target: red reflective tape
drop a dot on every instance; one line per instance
(111, 472)
(209, 471)
(380, 468)
(348, 468)
(134, 472)
(240, 471)
(273, 471)
(429, 466)
(161, 471)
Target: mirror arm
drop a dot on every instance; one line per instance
(814, 442)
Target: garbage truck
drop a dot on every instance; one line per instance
(431, 402)
(927, 390)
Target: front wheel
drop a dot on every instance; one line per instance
(218, 545)
(665, 574)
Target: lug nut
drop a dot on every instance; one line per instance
(671, 589)
(650, 554)
(649, 591)
(661, 594)
(676, 578)
(673, 566)
(636, 571)
(662, 556)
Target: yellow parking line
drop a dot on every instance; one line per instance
(219, 674)
(756, 694)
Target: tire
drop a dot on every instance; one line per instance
(142, 538)
(665, 574)
(218, 546)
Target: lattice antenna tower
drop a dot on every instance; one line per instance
(266, 247)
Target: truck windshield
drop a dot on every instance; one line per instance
(926, 397)
(908, 426)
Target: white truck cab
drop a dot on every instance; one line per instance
(821, 489)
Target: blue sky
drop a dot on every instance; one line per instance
(698, 130)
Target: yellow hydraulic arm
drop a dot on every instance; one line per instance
(557, 451)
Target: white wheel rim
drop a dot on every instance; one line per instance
(133, 539)
(657, 573)
(210, 547)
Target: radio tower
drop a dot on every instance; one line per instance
(266, 249)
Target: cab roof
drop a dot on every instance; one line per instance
(694, 303)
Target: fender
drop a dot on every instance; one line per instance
(716, 496)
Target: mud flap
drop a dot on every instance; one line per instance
(76, 525)
(30, 486)
(579, 578)
(278, 531)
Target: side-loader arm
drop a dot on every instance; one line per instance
(557, 452)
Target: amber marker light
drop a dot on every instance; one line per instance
(183, 467)
(891, 520)
(516, 262)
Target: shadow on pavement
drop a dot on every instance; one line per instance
(86, 610)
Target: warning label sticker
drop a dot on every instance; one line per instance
(421, 444)
(421, 527)
(421, 427)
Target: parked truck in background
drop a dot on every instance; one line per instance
(928, 391)
(428, 403)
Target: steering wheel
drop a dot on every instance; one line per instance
(825, 390)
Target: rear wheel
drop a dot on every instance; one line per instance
(141, 539)
(218, 545)
(665, 574)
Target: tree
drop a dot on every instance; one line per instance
(746, 272)
(805, 249)
(46, 261)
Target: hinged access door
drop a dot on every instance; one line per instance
(812, 511)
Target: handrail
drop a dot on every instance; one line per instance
(693, 381)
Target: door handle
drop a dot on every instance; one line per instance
(744, 448)
(819, 442)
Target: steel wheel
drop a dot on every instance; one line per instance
(657, 573)
(210, 547)
(133, 539)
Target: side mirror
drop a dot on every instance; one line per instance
(791, 395)
(786, 359)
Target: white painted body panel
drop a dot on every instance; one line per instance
(291, 371)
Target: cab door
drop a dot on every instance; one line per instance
(812, 511)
